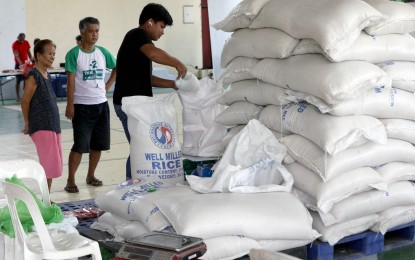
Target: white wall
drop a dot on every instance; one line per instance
(12, 22)
(218, 10)
(58, 21)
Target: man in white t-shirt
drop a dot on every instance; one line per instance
(87, 104)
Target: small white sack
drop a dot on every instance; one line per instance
(400, 17)
(370, 202)
(238, 69)
(202, 136)
(240, 16)
(326, 194)
(331, 133)
(396, 171)
(133, 200)
(254, 91)
(239, 113)
(268, 215)
(402, 73)
(315, 75)
(394, 217)
(376, 102)
(373, 49)
(251, 163)
(334, 233)
(118, 227)
(334, 24)
(370, 154)
(155, 150)
(257, 44)
(400, 129)
(188, 83)
(228, 247)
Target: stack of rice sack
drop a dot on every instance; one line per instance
(350, 134)
(248, 206)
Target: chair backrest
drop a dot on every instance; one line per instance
(26, 168)
(12, 192)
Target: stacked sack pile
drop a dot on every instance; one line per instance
(349, 68)
(246, 204)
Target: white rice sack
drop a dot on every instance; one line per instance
(370, 202)
(307, 46)
(228, 247)
(271, 117)
(239, 113)
(238, 69)
(155, 150)
(331, 133)
(260, 254)
(284, 244)
(188, 83)
(202, 136)
(373, 49)
(232, 132)
(254, 91)
(271, 215)
(327, 166)
(396, 171)
(400, 17)
(334, 233)
(394, 217)
(240, 16)
(376, 102)
(251, 163)
(315, 75)
(402, 73)
(257, 44)
(133, 200)
(334, 24)
(326, 194)
(118, 227)
(400, 129)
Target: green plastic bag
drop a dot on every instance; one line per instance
(50, 214)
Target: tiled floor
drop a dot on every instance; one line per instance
(111, 168)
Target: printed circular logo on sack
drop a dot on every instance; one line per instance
(162, 135)
(129, 183)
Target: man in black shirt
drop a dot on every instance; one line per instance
(134, 62)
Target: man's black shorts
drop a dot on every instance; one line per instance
(91, 128)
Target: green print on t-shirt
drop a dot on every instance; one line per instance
(93, 74)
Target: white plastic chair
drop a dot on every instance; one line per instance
(45, 246)
(24, 169)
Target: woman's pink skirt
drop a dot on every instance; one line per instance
(49, 149)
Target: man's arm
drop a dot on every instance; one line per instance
(16, 54)
(111, 79)
(30, 55)
(163, 83)
(70, 92)
(159, 56)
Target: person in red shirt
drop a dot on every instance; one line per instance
(21, 52)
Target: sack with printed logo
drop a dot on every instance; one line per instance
(154, 148)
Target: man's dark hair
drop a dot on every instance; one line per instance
(157, 12)
(40, 47)
(78, 38)
(87, 21)
(21, 34)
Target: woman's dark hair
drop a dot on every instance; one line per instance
(35, 41)
(40, 47)
(156, 12)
